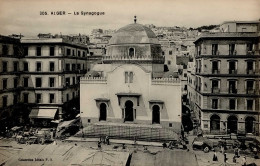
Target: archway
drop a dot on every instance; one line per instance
(129, 111)
(232, 124)
(214, 123)
(156, 115)
(249, 124)
(103, 112)
(131, 52)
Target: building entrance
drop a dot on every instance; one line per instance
(249, 124)
(232, 124)
(156, 114)
(129, 111)
(103, 112)
(214, 123)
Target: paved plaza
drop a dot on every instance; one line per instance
(85, 152)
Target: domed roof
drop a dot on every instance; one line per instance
(134, 34)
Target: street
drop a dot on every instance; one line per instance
(86, 152)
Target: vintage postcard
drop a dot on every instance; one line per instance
(129, 83)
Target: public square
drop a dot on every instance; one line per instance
(84, 151)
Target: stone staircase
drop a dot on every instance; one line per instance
(130, 132)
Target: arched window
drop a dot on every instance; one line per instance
(249, 124)
(131, 52)
(103, 112)
(156, 115)
(214, 123)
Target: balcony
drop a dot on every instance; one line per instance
(250, 71)
(165, 81)
(250, 91)
(233, 52)
(215, 71)
(93, 80)
(232, 71)
(250, 52)
(197, 70)
(215, 90)
(137, 59)
(232, 90)
(215, 52)
(198, 88)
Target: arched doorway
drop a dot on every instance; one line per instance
(156, 115)
(129, 111)
(249, 124)
(103, 112)
(131, 52)
(214, 123)
(232, 124)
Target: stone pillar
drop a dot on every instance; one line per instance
(223, 126)
(205, 126)
(257, 127)
(60, 112)
(241, 127)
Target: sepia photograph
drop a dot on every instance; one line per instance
(129, 82)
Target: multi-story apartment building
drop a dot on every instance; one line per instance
(227, 80)
(9, 79)
(46, 76)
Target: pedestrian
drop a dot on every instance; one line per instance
(244, 161)
(107, 140)
(234, 159)
(170, 146)
(215, 157)
(255, 152)
(222, 149)
(135, 139)
(164, 145)
(236, 152)
(225, 157)
(182, 134)
(99, 144)
(123, 146)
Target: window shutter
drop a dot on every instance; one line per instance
(126, 77)
(131, 77)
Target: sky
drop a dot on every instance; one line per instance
(23, 16)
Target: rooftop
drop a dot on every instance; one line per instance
(133, 33)
(220, 35)
(7, 39)
(50, 41)
(241, 22)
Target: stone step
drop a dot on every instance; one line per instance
(139, 132)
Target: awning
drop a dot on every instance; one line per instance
(129, 94)
(43, 113)
(102, 99)
(68, 123)
(55, 121)
(156, 101)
